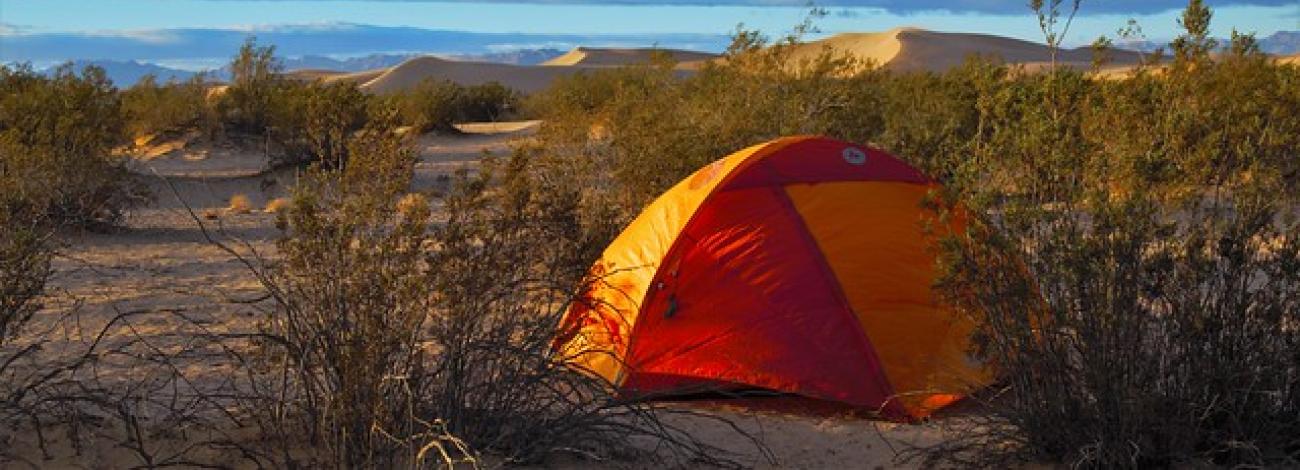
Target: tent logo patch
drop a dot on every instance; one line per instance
(854, 156)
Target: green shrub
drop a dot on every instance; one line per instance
(57, 135)
(249, 102)
(25, 252)
(1135, 266)
(313, 122)
(435, 105)
(396, 344)
(150, 109)
(1133, 262)
(488, 102)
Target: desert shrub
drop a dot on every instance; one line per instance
(150, 108)
(1132, 263)
(313, 122)
(427, 106)
(248, 103)
(491, 101)
(25, 253)
(435, 105)
(56, 140)
(1134, 269)
(931, 119)
(648, 127)
(350, 311)
(394, 343)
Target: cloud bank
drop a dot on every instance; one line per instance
(341, 39)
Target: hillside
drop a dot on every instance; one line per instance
(613, 57)
(520, 77)
(911, 49)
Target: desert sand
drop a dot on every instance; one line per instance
(162, 261)
(913, 49)
(597, 56)
(308, 75)
(900, 49)
(527, 79)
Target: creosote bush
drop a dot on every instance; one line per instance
(435, 105)
(57, 134)
(314, 122)
(153, 109)
(1132, 263)
(393, 342)
(25, 253)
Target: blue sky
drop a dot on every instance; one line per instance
(144, 19)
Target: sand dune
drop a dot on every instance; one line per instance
(311, 75)
(524, 78)
(609, 57)
(520, 77)
(911, 49)
(358, 78)
(900, 49)
(877, 48)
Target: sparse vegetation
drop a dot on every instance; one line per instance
(405, 346)
(57, 134)
(1133, 258)
(150, 109)
(1147, 222)
(435, 105)
(313, 122)
(239, 204)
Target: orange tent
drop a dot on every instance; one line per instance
(800, 265)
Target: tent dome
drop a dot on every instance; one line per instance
(800, 265)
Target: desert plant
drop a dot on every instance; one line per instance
(394, 344)
(25, 253)
(435, 105)
(1141, 309)
(150, 108)
(313, 122)
(56, 141)
(248, 102)
(491, 101)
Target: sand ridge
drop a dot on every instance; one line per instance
(913, 49)
(903, 49)
(406, 75)
(614, 57)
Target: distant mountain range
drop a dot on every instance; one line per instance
(177, 54)
(1279, 43)
(333, 39)
(125, 73)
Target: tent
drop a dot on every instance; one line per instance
(801, 265)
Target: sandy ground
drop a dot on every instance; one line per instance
(163, 261)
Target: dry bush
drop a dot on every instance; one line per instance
(1118, 273)
(239, 204)
(151, 109)
(56, 137)
(25, 253)
(435, 105)
(389, 344)
(314, 122)
(248, 103)
(1136, 281)
(276, 206)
